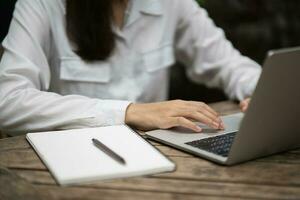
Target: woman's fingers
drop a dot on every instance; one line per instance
(216, 119)
(200, 117)
(183, 122)
(202, 105)
(203, 113)
(244, 104)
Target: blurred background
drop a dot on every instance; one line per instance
(253, 26)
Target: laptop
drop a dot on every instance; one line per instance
(269, 126)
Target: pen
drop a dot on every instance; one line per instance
(108, 151)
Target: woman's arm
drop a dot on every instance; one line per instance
(209, 57)
(25, 103)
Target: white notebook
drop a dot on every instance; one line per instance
(72, 158)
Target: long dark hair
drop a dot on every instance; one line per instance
(89, 27)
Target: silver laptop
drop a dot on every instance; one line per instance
(270, 125)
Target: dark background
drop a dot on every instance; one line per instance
(253, 26)
(6, 8)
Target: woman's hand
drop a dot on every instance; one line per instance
(171, 114)
(245, 104)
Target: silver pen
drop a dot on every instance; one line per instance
(108, 151)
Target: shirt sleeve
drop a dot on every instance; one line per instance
(209, 57)
(25, 103)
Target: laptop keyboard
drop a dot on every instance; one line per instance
(219, 145)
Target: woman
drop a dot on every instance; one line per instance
(85, 63)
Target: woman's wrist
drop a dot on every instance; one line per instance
(131, 114)
(139, 116)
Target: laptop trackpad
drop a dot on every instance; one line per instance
(182, 135)
(232, 124)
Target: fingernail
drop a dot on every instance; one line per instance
(222, 125)
(198, 129)
(216, 125)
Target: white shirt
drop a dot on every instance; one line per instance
(44, 85)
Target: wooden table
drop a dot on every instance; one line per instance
(23, 176)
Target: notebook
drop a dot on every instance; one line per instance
(72, 158)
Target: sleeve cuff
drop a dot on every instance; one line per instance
(101, 113)
(249, 87)
(110, 112)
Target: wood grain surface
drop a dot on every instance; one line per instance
(24, 176)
